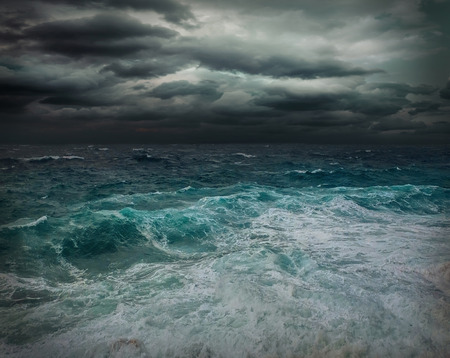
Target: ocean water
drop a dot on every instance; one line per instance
(224, 251)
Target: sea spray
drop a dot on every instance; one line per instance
(224, 251)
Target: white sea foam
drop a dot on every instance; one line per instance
(182, 190)
(41, 159)
(310, 273)
(305, 171)
(245, 155)
(439, 275)
(46, 158)
(298, 171)
(25, 222)
(72, 157)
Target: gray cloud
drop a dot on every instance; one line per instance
(377, 99)
(102, 27)
(423, 107)
(20, 87)
(76, 100)
(253, 70)
(100, 35)
(400, 89)
(17, 15)
(311, 6)
(395, 124)
(172, 10)
(145, 69)
(235, 58)
(242, 60)
(168, 90)
(14, 104)
(445, 92)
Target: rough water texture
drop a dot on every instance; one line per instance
(224, 251)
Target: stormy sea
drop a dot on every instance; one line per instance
(224, 251)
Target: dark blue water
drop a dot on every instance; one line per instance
(224, 251)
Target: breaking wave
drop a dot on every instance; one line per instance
(200, 257)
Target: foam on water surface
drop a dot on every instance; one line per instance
(24, 222)
(189, 259)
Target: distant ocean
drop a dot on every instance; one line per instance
(224, 251)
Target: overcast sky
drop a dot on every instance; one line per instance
(103, 71)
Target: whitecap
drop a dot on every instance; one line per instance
(44, 158)
(298, 171)
(182, 190)
(73, 157)
(245, 155)
(25, 222)
(47, 158)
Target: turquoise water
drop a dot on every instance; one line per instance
(224, 251)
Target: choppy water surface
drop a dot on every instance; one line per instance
(224, 251)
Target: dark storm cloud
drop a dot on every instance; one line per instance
(424, 106)
(439, 11)
(285, 101)
(382, 99)
(103, 27)
(245, 114)
(14, 104)
(318, 7)
(76, 100)
(77, 49)
(24, 87)
(254, 70)
(100, 35)
(241, 60)
(7, 37)
(235, 58)
(168, 90)
(400, 89)
(378, 99)
(333, 102)
(16, 15)
(19, 87)
(145, 69)
(15, 95)
(172, 11)
(395, 124)
(13, 19)
(445, 92)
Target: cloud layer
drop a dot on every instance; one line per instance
(210, 71)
